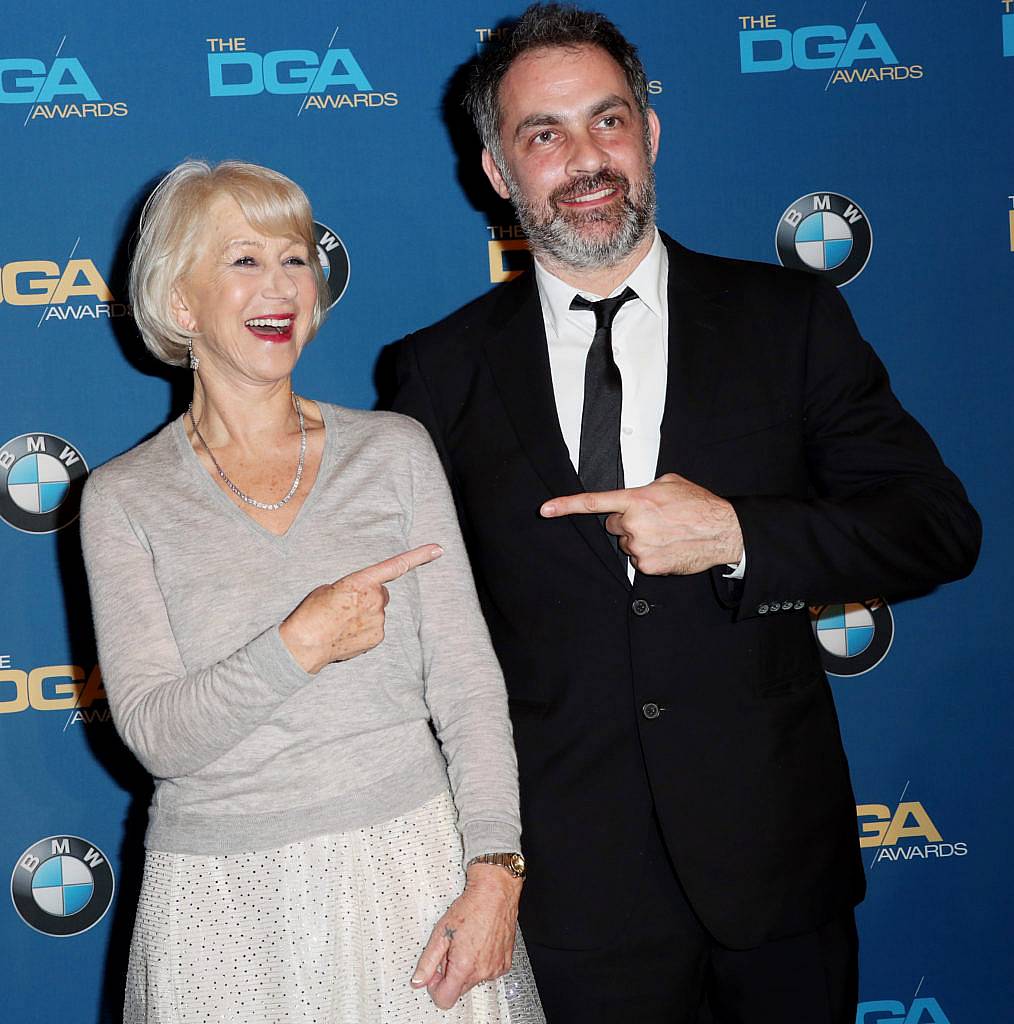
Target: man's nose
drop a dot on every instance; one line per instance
(586, 155)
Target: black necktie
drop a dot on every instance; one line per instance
(600, 465)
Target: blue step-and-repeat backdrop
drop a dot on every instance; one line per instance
(869, 141)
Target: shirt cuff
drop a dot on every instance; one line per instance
(273, 662)
(738, 570)
(481, 837)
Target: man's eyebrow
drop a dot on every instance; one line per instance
(536, 121)
(608, 104)
(547, 120)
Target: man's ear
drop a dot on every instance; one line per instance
(654, 132)
(181, 311)
(494, 175)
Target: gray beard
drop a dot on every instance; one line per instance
(558, 234)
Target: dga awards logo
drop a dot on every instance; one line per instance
(334, 261)
(904, 832)
(62, 886)
(55, 89)
(71, 290)
(332, 80)
(853, 638)
(859, 54)
(54, 688)
(825, 233)
(923, 1010)
(41, 477)
(509, 255)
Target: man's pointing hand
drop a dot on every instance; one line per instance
(670, 527)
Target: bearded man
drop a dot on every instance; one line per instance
(660, 459)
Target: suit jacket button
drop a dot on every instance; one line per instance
(762, 609)
(799, 605)
(640, 607)
(650, 710)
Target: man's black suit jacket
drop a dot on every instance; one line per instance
(775, 402)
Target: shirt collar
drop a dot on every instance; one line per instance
(648, 279)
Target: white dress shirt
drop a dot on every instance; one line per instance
(640, 347)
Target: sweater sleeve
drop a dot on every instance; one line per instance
(465, 690)
(174, 720)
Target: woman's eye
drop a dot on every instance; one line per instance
(244, 261)
(297, 261)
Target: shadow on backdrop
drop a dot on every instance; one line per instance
(103, 741)
(474, 186)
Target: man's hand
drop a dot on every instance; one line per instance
(474, 941)
(670, 527)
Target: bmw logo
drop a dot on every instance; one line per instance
(334, 259)
(62, 885)
(853, 638)
(827, 234)
(41, 476)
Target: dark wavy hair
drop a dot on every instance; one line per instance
(543, 26)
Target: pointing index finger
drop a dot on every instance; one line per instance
(397, 565)
(587, 503)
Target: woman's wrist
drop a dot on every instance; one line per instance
(491, 878)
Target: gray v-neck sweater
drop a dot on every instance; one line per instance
(248, 750)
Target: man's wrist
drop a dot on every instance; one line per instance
(735, 553)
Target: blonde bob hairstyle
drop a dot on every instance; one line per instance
(170, 227)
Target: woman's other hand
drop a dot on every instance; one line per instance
(474, 941)
(344, 619)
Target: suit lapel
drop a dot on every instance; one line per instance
(516, 353)
(700, 325)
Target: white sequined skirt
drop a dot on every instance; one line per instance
(326, 931)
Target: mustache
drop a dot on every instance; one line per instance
(605, 178)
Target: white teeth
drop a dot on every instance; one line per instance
(266, 321)
(601, 194)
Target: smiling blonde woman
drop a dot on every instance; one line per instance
(292, 646)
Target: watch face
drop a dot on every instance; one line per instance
(517, 864)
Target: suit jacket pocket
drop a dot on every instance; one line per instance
(790, 660)
(728, 424)
(790, 685)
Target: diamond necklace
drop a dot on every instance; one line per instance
(275, 505)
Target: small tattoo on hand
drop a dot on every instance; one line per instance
(448, 932)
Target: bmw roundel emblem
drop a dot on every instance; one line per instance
(334, 260)
(62, 885)
(853, 638)
(41, 476)
(825, 233)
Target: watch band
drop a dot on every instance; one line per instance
(512, 862)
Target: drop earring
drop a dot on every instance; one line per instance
(195, 361)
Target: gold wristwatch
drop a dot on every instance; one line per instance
(512, 862)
